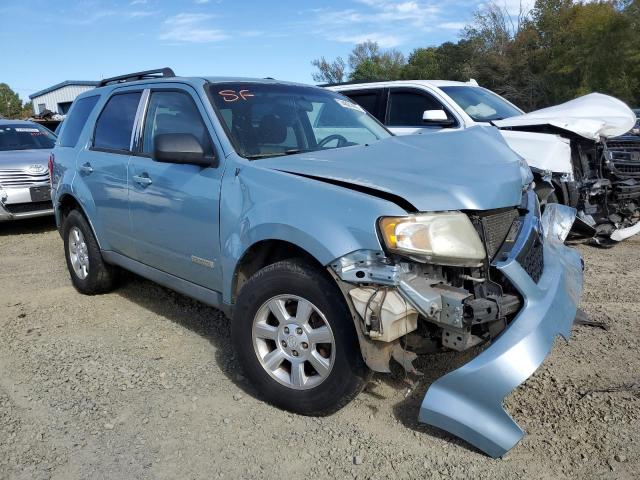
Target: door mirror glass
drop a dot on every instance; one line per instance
(179, 148)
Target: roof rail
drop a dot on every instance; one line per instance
(350, 82)
(132, 77)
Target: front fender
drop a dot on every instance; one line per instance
(325, 220)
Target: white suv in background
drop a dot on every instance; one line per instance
(568, 144)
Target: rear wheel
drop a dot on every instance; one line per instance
(296, 341)
(89, 272)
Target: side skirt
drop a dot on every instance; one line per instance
(204, 295)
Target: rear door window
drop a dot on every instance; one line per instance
(369, 100)
(406, 108)
(115, 124)
(76, 120)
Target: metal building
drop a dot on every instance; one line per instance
(58, 98)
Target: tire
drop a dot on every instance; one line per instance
(551, 198)
(98, 276)
(290, 284)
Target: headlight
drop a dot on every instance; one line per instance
(446, 238)
(525, 172)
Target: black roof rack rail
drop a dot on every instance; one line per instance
(132, 77)
(351, 82)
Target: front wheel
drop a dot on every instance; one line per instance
(296, 341)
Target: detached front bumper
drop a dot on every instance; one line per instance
(468, 401)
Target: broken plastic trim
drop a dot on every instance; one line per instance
(624, 233)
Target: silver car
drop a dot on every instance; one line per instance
(25, 191)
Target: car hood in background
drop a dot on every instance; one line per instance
(594, 116)
(22, 159)
(471, 169)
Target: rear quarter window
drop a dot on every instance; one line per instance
(76, 120)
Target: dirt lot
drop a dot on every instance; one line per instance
(142, 383)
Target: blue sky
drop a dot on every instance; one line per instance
(45, 42)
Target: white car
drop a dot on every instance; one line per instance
(568, 144)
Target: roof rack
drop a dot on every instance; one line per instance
(350, 82)
(132, 77)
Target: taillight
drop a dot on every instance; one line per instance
(51, 157)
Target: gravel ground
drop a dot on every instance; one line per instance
(142, 383)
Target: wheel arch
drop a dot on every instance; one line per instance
(263, 253)
(68, 202)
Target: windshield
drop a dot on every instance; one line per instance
(481, 104)
(25, 137)
(268, 120)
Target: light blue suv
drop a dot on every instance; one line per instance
(334, 246)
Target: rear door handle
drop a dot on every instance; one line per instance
(86, 168)
(142, 180)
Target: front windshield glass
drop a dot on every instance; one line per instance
(268, 120)
(481, 104)
(25, 136)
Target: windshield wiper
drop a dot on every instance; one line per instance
(292, 151)
(256, 156)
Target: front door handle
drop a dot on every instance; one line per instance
(142, 180)
(86, 168)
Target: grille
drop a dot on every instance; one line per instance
(21, 178)
(531, 257)
(495, 227)
(627, 191)
(17, 208)
(624, 158)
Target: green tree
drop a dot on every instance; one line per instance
(27, 110)
(367, 61)
(10, 103)
(449, 61)
(589, 47)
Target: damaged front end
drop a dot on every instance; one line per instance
(605, 188)
(595, 163)
(523, 293)
(620, 159)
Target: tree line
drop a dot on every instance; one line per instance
(557, 51)
(11, 105)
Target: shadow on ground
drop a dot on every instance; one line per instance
(27, 226)
(213, 325)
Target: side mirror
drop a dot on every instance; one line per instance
(436, 117)
(180, 148)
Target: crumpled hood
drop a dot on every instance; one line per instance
(471, 169)
(594, 116)
(21, 159)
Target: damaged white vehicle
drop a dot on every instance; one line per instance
(571, 147)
